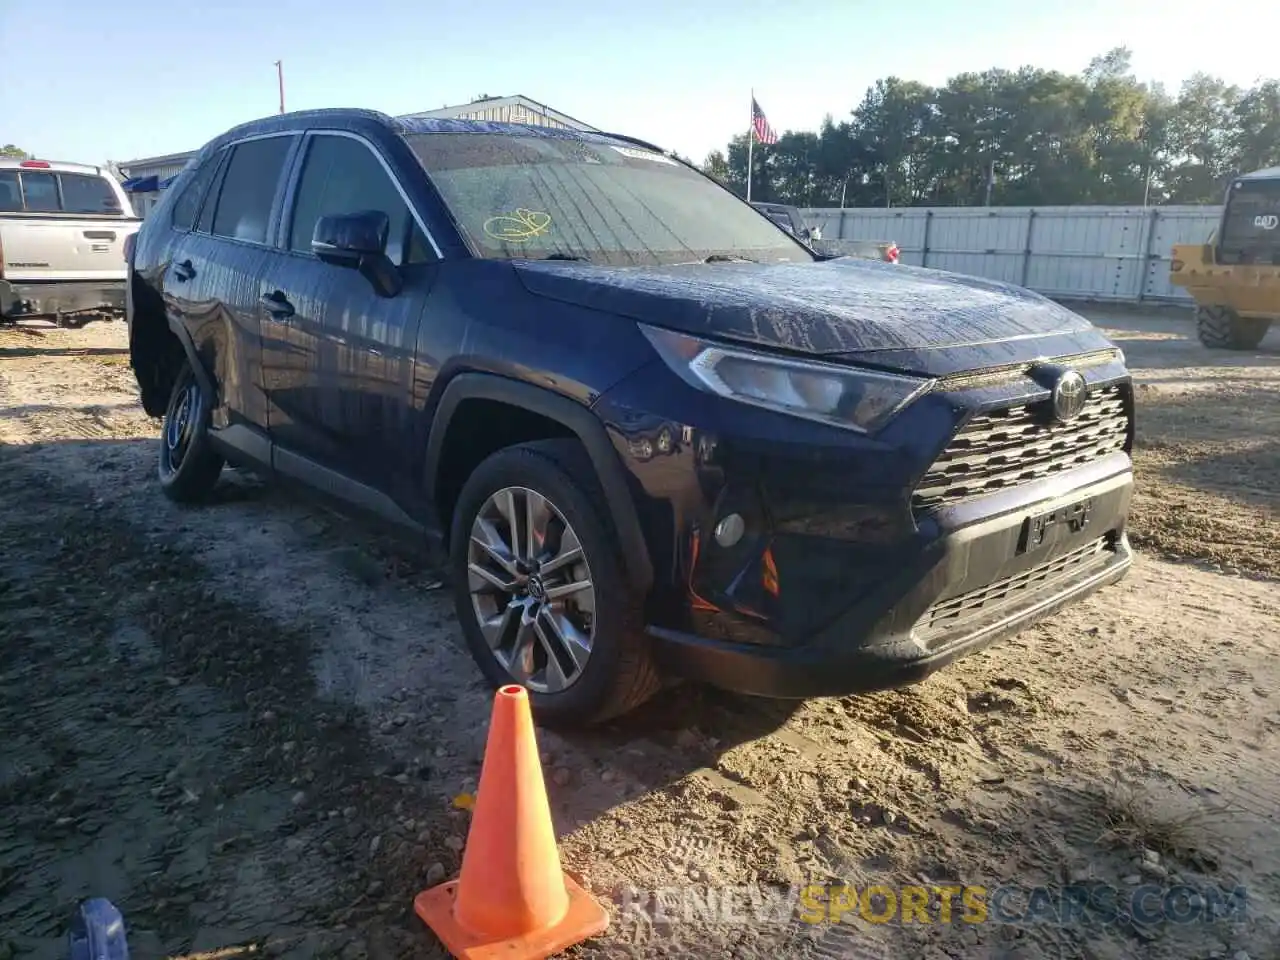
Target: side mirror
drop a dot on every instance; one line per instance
(358, 241)
(343, 240)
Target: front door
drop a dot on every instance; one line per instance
(338, 358)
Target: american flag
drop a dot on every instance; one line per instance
(764, 132)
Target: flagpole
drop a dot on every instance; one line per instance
(751, 140)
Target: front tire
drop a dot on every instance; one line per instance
(188, 467)
(1221, 328)
(540, 588)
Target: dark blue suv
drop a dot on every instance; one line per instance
(656, 435)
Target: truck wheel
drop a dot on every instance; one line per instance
(540, 588)
(188, 467)
(1221, 328)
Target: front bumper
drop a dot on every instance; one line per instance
(983, 578)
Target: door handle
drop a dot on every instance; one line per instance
(277, 304)
(184, 270)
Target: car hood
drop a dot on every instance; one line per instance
(841, 306)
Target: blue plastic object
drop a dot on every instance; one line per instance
(97, 932)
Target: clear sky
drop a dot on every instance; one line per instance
(92, 81)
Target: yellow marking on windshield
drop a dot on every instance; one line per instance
(518, 227)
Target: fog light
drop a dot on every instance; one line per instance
(730, 530)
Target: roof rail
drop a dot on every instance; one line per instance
(637, 141)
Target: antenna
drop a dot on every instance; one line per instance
(280, 80)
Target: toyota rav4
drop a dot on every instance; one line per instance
(654, 435)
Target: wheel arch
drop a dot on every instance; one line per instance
(157, 343)
(577, 421)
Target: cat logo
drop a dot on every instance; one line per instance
(1267, 222)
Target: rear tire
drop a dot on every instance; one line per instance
(1221, 328)
(557, 477)
(188, 467)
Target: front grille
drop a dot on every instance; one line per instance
(956, 615)
(1006, 448)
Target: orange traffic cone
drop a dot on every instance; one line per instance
(511, 899)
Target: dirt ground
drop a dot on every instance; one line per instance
(246, 723)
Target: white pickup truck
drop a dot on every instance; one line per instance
(63, 228)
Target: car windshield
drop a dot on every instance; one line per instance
(538, 197)
(1252, 219)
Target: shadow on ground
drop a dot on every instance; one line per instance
(166, 746)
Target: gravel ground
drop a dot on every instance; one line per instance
(246, 723)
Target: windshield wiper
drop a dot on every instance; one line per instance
(564, 256)
(727, 258)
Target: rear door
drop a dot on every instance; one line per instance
(337, 358)
(214, 270)
(63, 225)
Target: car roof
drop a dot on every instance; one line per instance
(428, 125)
(49, 166)
(354, 118)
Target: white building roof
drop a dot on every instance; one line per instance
(516, 105)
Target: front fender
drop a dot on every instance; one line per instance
(585, 425)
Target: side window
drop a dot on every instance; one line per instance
(249, 187)
(341, 175)
(186, 206)
(40, 191)
(10, 192)
(82, 193)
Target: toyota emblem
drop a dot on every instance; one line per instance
(1069, 394)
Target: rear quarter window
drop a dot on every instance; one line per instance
(187, 206)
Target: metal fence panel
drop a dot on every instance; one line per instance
(1085, 252)
(1175, 225)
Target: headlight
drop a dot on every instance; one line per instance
(863, 400)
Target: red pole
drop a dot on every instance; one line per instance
(280, 78)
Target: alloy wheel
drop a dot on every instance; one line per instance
(531, 589)
(180, 423)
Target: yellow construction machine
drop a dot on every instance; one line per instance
(1235, 277)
